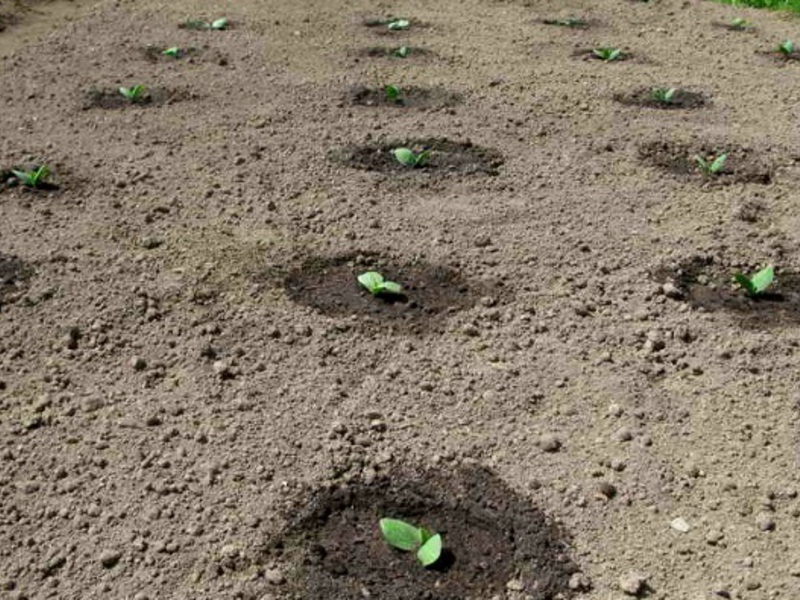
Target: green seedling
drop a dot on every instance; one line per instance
(664, 95)
(711, 167)
(398, 24)
(607, 54)
(34, 178)
(569, 22)
(758, 283)
(173, 52)
(739, 24)
(409, 158)
(199, 24)
(133, 94)
(220, 24)
(406, 537)
(377, 285)
(391, 94)
(786, 47)
(401, 52)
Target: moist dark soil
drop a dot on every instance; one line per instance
(741, 166)
(410, 97)
(494, 539)
(682, 100)
(112, 99)
(782, 58)
(569, 22)
(430, 292)
(447, 157)
(707, 284)
(14, 277)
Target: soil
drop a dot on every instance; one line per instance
(410, 97)
(683, 99)
(196, 396)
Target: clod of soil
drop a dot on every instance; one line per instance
(706, 283)
(494, 539)
(410, 97)
(430, 292)
(742, 166)
(447, 157)
(14, 276)
(683, 99)
(113, 99)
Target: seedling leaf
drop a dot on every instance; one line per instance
(174, 52)
(220, 24)
(786, 47)
(718, 163)
(607, 54)
(398, 24)
(392, 93)
(405, 157)
(401, 535)
(430, 551)
(401, 52)
(745, 282)
(34, 178)
(372, 281)
(391, 287)
(758, 283)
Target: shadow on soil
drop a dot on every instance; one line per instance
(410, 97)
(14, 277)
(707, 284)
(113, 99)
(679, 159)
(492, 536)
(447, 157)
(329, 285)
(682, 100)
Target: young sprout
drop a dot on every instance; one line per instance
(133, 94)
(174, 52)
(398, 24)
(34, 178)
(607, 54)
(409, 158)
(739, 24)
(711, 167)
(219, 24)
(407, 537)
(664, 95)
(401, 52)
(568, 22)
(377, 285)
(786, 47)
(758, 283)
(392, 94)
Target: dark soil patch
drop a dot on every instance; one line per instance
(391, 52)
(447, 157)
(569, 23)
(588, 54)
(329, 285)
(410, 97)
(491, 536)
(734, 28)
(14, 276)
(113, 99)
(683, 99)
(707, 283)
(782, 58)
(742, 166)
(156, 53)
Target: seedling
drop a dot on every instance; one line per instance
(407, 537)
(133, 94)
(377, 285)
(401, 52)
(174, 52)
(758, 283)
(607, 54)
(569, 22)
(409, 158)
(786, 47)
(218, 24)
(398, 24)
(739, 24)
(711, 167)
(392, 94)
(34, 178)
(664, 95)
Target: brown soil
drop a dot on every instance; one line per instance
(682, 100)
(410, 97)
(196, 396)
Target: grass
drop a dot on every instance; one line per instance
(793, 5)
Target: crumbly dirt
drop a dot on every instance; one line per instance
(176, 395)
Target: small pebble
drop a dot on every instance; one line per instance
(633, 583)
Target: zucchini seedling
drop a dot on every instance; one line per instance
(664, 95)
(398, 24)
(407, 537)
(401, 52)
(391, 94)
(568, 22)
(174, 52)
(133, 94)
(409, 158)
(376, 285)
(739, 24)
(786, 48)
(758, 283)
(34, 178)
(607, 54)
(711, 167)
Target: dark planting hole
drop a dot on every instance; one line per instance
(446, 157)
(705, 282)
(589, 54)
(647, 97)
(113, 99)
(430, 292)
(568, 22)
(493, 539)
(741, 166)
(14, 277)
(156, 54)
(409, 97)
(395, 52)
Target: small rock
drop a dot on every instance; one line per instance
(580, 582)
(623, 434)
(110, 558)
(549, 443)
(765, 522)
(633, 583)
(670, 290)
(615, 410)
(680, 524)
(274, 576)
(482, 241)
(150, 241)
(515, 585)
(714, 537)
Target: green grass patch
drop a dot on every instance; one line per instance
(793, 5)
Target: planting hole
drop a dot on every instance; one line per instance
(661, 98)
(409, 97)
(113, 99)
